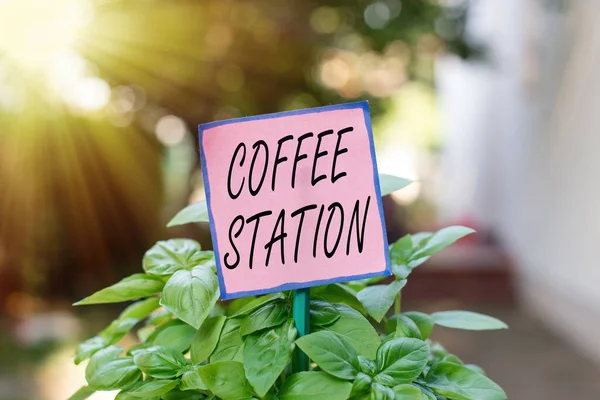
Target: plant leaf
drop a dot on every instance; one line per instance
(441, 239)
(162, 327)
(331, 353)
(461, 383)
(153, 388)
(428, 393)
(226, 379)
(83, 393)
(467, 320)
(354, 328)
(235, 305)
(378, 299)
(451, 358)
(160, 317)
(105, 355)
(197, 212)
(419, 240)
(177, 394)
(159, 362)
(405, 327)
(367, 366)
(423, 321)
(140, 309)
(169, 256)
(384, 380)
(117, 329)
(408, 392)
(401, 249)
(267, 354)
(177, 336)
(400, 253)
(140, 346)
(403, 253)
(206, 339)
(273, 314)
(390, 183)
(361, 385)
(360, 284)
(476, 368)
(190, 380)
(101, 357)
(133, 287)
(229, 346)
(257, 303)
(437, 352)
(314, 386)
(338, 293)
(381, 392)
(411, 251)
(402, 358)
(190, 295)
(115, 374)
(401, 271)
(323, 313)
(124, 395)
(87, 348)
(107, 371)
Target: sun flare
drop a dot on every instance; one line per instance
(35, 32)
(37, 41)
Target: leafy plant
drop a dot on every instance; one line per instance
(191, 346)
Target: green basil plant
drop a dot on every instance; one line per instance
(191, 346)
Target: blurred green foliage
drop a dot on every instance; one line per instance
(80, 149)
(208, 60)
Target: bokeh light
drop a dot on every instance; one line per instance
(325, 20)
(170, 130)
(377, 14)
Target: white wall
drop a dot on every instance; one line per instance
(523, 151)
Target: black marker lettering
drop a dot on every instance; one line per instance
(338, 152)
(332, 209)
(360, 236)
(237, 149)
(256, 217)
(319, 154)
(277, 238)
(299, 156)
(300, 212)
(236, 235)
(317, 231)
(256, 146)
(279, 160)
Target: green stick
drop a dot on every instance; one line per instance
(301, 313)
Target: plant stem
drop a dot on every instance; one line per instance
(301, 314)
(397, 303)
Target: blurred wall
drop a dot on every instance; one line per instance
(521, 156)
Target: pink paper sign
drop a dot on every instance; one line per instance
(293, 199)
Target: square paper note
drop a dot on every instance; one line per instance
(294, 199)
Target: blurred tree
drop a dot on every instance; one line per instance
(101, 93)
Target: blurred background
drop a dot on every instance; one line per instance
(490, 106)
